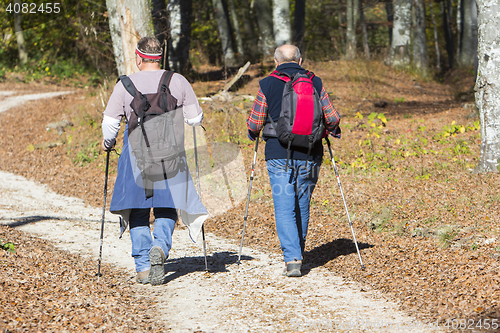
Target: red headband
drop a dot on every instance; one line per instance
(155, 56)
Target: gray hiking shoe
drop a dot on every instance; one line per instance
(292, 269)
(157, 262)
(142, 277)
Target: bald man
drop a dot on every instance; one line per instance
(291, 186)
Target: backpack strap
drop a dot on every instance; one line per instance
(128, 85)
(281, 75)
(165, 81)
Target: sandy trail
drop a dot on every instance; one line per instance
(251, 297)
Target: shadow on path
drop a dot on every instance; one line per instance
(217, 263)
(322, 254)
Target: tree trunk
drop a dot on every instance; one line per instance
(180, 35)
(366, 47)
(236, 27)
(225, 34)
(281, 22)
(351, 31)
(249, 28)
(420, 57)
(389, 8)
(488, 85)
(265, 23)
(21, 46)
(401, 39)
(160, 21)
(129, 21)
(436, 42)
(467, 51)
(298, 22)
(448, 34)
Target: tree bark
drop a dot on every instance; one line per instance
(420, 57)
(160, 21)
(236, 27)
(401, 34)
(265, 23)
(179, 42)
(389, 8)
(281, 22)
(448, 33)
(366, 46)
(436, 42)
(488, 84)
(225, 34)
(351, 31)
(298, 22)
(467, 21)
(129, 21)
(21, 45)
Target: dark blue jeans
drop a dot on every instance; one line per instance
(292, 191)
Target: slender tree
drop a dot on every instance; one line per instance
(366, 46)
(281, 22)
(448, 33)
(264, 17)
(401, 32)
(298, 22)
(436, 42)
(21, 45)
(420, 57)
(179, 42)
(389, 8)
(351, 30)
(467, 40)
(236, 27)
(129, 21)
(488, 85)
(225, 34)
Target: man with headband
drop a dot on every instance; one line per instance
(129, 199)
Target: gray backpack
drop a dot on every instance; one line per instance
(155, 132)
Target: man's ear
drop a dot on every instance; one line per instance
(138, 61)
(276, 62)
(300, 62)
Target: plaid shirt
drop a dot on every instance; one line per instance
(258, 115)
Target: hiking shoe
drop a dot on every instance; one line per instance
(157, 262)
(142, 277)
(292, 269)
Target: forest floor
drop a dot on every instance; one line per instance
(426, 224)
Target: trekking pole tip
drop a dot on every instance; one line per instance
(363, 267)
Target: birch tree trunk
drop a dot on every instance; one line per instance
(401, 34)
(488, 84)
(281, 22)
(180, 34)
(129, 21)
(366, 47)
(224, 33)
(265, 23)
(420, 57)
(351, 31)
(467, 50)
(298, 22)
(21, 45)
(236, 27)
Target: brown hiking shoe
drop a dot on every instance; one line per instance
(292, 269)
(157, 262)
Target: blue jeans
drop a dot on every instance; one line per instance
(292, 191)
(140, 234)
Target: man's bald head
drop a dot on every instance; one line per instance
(287, 53)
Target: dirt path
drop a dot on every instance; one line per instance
(251, 297)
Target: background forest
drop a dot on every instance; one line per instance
(429, 37)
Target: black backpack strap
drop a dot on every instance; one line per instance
(128, 85)
(165, 81)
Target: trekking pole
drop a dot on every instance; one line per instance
(199, 193)
(103, 214)
(343, 198)
(248, 199)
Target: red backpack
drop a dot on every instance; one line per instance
(301, 123)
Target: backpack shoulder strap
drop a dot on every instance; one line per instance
(281, 75)
(165, 81)
(310, 74)
(127, 84)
